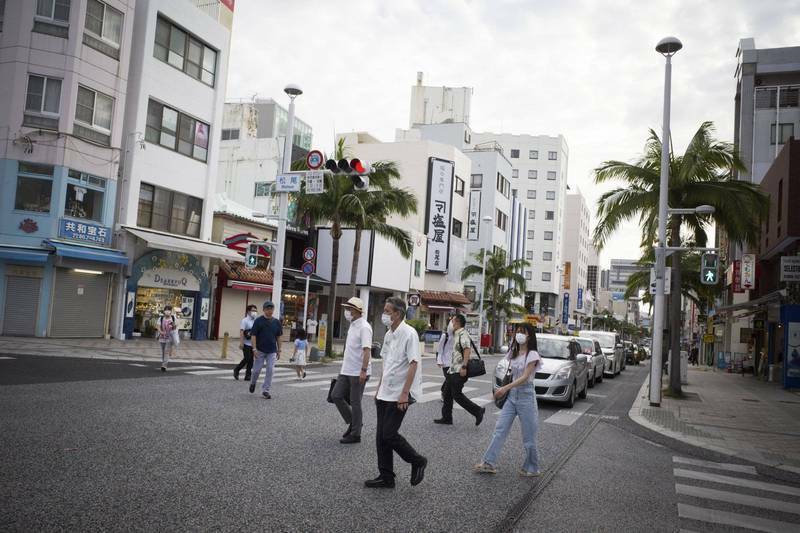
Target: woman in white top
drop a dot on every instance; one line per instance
(521, 402)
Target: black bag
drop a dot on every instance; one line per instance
(330, 393)
(475, 367)
(500, 402)
(247, 334)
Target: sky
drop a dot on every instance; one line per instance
(581, 68)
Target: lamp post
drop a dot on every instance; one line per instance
(667, 47)
(293, 91)
(485, 219)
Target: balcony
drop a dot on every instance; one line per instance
(219, 10)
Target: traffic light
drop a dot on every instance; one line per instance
(357, 169)
(251, 258)
(709, 269)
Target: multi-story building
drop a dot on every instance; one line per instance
(64, 77)
(621, 270)
(437, 105)
(170, 147)
(577, 254)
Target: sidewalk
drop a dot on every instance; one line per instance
(731, 414)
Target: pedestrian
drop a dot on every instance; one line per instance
(400, 386)
(356, 370)
(167, 336)
(266, 336)
(457, 376)
(300, 353)
(523, 359)
(694, 356)
(444, 352)
(245, 343)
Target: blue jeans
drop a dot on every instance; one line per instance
(521, 402)
(261, 360)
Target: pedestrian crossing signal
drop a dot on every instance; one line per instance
(251, 258)
(709, 269)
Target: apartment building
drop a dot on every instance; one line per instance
(578, 253)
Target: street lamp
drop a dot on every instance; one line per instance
(486, 219)
(293, 91)
(699, 210)
(667, 47)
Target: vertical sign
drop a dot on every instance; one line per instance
(748, 271)
(737, 276)
(565, 311)
(579, 303)
(437, 218)
(567, 274)
(474, 220)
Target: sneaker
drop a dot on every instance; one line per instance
(252, 388)
(163, 369)
(479, 418)
(445, 421)
(236, 375)
(304, 374)
(266, 395)
(247, 377)
(379, 483)
(418, 471)
(350, 439)
(484, 468)
(525, 473)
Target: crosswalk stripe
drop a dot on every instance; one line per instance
(737, 498)
(438, 394)
(197, 367)
(567, 417)
(728, 518)
(729, 480)
(210, 372)
(137, 364)
(307, 383)
(7, 357)
(745, 469)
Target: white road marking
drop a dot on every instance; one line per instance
(438, 394)
(210, 372)
(727, 518)
(737, 498)
(567, 417)
(317, 380)
(137, 364)
(728, 480)
(196, 368)
(593, 395)
(745, 469)
(7, 357)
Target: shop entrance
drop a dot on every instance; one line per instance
(150, 302)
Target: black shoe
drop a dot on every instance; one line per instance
(445, 421)
(304, 374)
(252, 388)
(247, 377)
(347, 433)
(479, 418)
(418, 471)
(236, 375)
(163, 369)
(379, 483)
(350, 439)
(266, 395)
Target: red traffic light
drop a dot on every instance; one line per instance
(358, 166)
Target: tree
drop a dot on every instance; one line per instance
(703, 175)
(498, 304)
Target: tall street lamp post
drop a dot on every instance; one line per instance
(486, 219)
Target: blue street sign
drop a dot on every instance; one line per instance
(565, 311)
(579, 303)
(308, 268)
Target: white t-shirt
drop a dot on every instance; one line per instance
(400, 348)
(445, 351)
(519, 363)
(359, 336)
(247, 323)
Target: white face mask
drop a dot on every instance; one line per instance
(521, 338)
(386, 319)
(253, 314)
(348, 315)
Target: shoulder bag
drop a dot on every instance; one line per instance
(475, 367)
(500, 402)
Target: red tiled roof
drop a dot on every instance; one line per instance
(237, 271)
(443, 297)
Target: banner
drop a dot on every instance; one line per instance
(748, 271)
(474, 220)
(579, 303)
(565, 310)
(437, 216)
(567, 274)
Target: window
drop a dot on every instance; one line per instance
(549, 215)
(170, 211)
(174, 130)
(417, 267)
(551, 195)
(94, 109)
(533, 174)
(530, 234)
(476, 181)
(85, 194)
(457, 225)
(34, 187)
(514, 154)
(532, 214)
(514, 173)
(104, 22)
(551, 174)
(230, 134)
(459, 186)
(185, 52)
(531, 195)
(786, 131)
(500, 219)
(529, 255)
(547, 256)
(528, 274)
(53, 10)
(552, 156)
(44, 95)
(548, 235)
(503, 185)
(546, 276)
(262, 188)
(533, 154)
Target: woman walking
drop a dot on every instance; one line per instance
(523, 360)
(167, 335)
(300, 352)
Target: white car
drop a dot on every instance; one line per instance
(611, 345)
(597, 360)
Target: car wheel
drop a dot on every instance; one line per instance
(571, 401)
(582, 394)
(600, 377)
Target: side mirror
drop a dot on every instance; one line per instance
(583, 359)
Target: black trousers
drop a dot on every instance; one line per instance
(247, 360)
(388, 439)
(444, 383)
(453, 391)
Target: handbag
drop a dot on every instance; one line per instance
(475, 367)
(330, 393)
(500, 402)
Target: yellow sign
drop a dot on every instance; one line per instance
(532, 319)
(323, 332)
(708, 338)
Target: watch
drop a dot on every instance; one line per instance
(363, 369)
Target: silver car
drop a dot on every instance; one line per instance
(596, 362)
(563, 375)
(612, 349)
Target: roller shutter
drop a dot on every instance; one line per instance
(22, 305)
(79, 304)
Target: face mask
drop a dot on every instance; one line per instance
(253, 314)
(167, 313)
(521, 338)
(348, 315)
(386, 319)
(449, 327)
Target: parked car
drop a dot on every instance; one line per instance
(597, 361)
(563, 376)
(612, 349)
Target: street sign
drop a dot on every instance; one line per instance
(748, 271)
(667, 280)
(565, 311)
(579, 303)
(308, 268)
(309, 254)
(315, 182)
(413, 300)
(709, 269)
(315, 159)
(790, 268)
(289, 182)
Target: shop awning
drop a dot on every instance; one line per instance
(773, 297)
(187, 245)
(88, 253)
(24, 255)
(443, 298)
(441, 308)
(247, 286)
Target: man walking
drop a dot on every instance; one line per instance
(266, 336)
(245, 344)
(457, 376)
(356, 369)
(400, 385)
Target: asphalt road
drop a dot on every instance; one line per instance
(106, 445)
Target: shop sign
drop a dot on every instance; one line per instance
(413, 300)
(437, 223)
(567, 274)
(579, 303)
(473, 220)
(737, 276)
(168, 278)
(84, 231)
(748, 271)
(790, 268)
(565, 310)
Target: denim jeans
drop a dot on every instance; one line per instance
(267, 361)
(521, 402)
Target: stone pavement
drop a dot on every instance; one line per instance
(729, 413)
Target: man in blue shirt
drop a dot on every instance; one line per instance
(266, 336)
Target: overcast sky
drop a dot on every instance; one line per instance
(581, 68)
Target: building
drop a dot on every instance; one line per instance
(437, 105)
(619, 273)
(578, 251)
(170, 144)
(65, 89)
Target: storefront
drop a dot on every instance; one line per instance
(438, 306)
(23, 284)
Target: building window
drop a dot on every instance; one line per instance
(552, 156)
(85, 195)
(501, 219)
(514, 154)
(230, 134)
(549, 215)
(417, 267)
(533, 154)
(546, 276)
(548, 235)
(53, 10)
(457, 225)
(531, 195)
(529, 255)
(530, 234)
(533, 174)
(532, 214)
(514, 173)
(503, 185)
(94, 109)
(551, 195)
(176, 131)
(786, 131)
(551, 174)
(476, 181)
(170, 211)
(104, 22)
(34, 187)
(262, 188)
(185, 52)
(44, 95)
(547, 256)
(528, 274)
(459, 186)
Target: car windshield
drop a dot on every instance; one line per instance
(605, 338)
(553, 348)
(587, 346)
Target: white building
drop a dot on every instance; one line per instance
(578, 252)
(436, 105)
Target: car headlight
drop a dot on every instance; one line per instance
(564, 373)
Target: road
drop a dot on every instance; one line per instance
(109, 445)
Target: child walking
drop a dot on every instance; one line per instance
(300, 352)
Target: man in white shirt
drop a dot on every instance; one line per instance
(356, 369)
(400, 385)
(246, 344)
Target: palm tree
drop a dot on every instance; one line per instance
(498, 269)
(703, 175)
